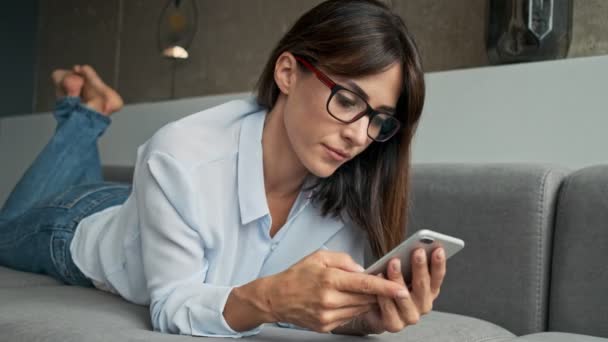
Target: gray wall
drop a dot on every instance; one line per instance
(546, 112)
(119, 38)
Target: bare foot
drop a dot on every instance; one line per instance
(96, 94)
(67, 83)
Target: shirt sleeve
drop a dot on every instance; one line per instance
(173, 252)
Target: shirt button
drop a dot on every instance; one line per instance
(273, 246)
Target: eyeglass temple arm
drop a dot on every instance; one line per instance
(326, 80)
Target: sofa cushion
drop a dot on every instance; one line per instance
(67, 313)
(559, 337)
(579, 303)
(11, 278)
(505, 215)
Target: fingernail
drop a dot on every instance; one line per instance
(440, 254)
(397, 266)
(420, 257)
(403, 294)
(359, 268)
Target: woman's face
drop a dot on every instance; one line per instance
(321, 142)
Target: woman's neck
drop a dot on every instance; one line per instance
(284, 174)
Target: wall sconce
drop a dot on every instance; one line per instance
(528, 30)
(177, 27)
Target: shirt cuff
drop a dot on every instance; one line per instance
(221, 328)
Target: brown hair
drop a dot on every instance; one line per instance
(355, 38)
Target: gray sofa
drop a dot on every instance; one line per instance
(533, 269)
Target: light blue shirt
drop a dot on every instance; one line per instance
(197, 224)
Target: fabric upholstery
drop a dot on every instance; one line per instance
(11, 278)
(559, 337)
(116, 173)
(66, 313)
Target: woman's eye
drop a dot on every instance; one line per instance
(345, 102)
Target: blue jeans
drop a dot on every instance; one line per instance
(63, 185)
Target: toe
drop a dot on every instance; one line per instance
(72, 84)
(88, 71)
(93, 78)
(57, 75)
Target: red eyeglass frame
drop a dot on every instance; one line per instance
(335, 87)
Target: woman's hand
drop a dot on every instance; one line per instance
(393, 315)
(326, 289)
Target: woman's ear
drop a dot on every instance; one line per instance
(285, 72)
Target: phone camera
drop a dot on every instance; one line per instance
(427, 240)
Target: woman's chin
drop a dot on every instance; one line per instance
(322, 169)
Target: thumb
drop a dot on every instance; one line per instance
(342, 261)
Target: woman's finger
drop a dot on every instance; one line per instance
(438, 269)
(339, 299)
(407, 308)
(421, 282)
(391, 317)
(394, 271)
(339, 260)
(366, 284)
(338, 317)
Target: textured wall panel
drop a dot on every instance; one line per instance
(75, 32)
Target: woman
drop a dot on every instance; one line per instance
(255, 211)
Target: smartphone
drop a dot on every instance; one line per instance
(425, 239)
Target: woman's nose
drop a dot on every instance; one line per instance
(356, 132)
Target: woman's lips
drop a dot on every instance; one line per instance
(336, 154)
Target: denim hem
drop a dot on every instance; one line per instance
(94, 115)
(66, 105)
(67, 100)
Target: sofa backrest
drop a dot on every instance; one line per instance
(579, 285)
(505, 215)
(122, 174)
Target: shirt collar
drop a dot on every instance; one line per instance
(250, 169)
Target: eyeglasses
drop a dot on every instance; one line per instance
(347, 107)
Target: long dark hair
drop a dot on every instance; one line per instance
(355, 38)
